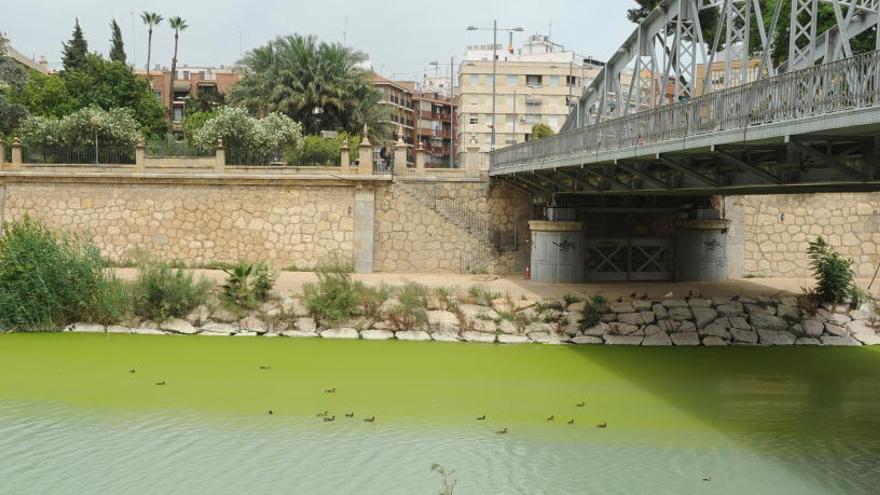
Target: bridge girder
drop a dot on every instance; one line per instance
(798, 164)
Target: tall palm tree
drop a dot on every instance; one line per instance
(150, 19)
(315, 83)
(178, 24)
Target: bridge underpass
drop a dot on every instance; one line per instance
(808, 125)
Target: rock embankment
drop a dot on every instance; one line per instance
(719, 321)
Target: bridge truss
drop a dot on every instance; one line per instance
(652, 123)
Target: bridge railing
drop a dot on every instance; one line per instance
(846, 84)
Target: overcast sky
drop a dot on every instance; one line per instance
(401, 37)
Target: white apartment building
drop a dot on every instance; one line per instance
(536, 83)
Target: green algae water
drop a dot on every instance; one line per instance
(74, 419)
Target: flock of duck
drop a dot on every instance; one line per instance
(329, 418)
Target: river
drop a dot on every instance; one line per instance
(84, 414)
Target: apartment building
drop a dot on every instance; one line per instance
(424, 113)
(188, 82)
(536, 83)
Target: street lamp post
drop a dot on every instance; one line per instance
(495, 30)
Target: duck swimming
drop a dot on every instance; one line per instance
(481, 418)
(502, 431)
(349, 415)
(581, 404)
(370, 419)
(322, 414)
(571, 421)
(331, 390)
(328, 419)
(551, 418)
(160, 383)
(603, 425)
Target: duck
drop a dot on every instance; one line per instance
(265, 367)
(571, 421)
(481, 418)
(331, 390)
(502, 431)
(271, 412)
(632, 296)
(328, 419)
(551, 418)
(620, 299)
(668, 295)
(371, 419)
(349, 414)
(162, 383)
(322, 414)
(644, 296)
(707, 478)
(581, 404)
(132, 371)
(603, 425)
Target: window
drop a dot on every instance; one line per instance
(489, 80)
(554, 81)
(534, 80)
(474, 119)
(177, 115)
(572, 80)
(512, 80)
(158, 94)
(553, 121)
(474, 80)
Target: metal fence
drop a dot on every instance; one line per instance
(847, 84)
(77, 155)
(174, 148)
(244, 156)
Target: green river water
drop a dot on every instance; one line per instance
(680, 420)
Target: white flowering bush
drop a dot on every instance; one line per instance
(277, 130)
(237, 129)
(116, 126)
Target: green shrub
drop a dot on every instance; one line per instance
(410, 313)
(335, 296)
(572, 298)
(594, 308)
(49, 280)
(247, 284)
(163, 292)
(833, 273)
(371, 298)
(479, 295)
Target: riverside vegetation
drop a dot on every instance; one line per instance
(57, 281)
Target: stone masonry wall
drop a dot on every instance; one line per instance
(287, 225)
(284, 226)
(776, 229)
(412, 237)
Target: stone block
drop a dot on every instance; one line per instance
(685, 338)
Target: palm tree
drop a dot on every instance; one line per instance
(317, 84)
(178, 24)
(150, 19)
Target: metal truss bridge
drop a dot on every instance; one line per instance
(641, 128)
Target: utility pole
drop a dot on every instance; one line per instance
(494, 30)
(494, 79)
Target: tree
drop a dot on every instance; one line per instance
(317, 84)
(178, 24)
(540, 131)
(237, 129)
(150, 19)
(117, 48)
(99, 83)
(75, 50)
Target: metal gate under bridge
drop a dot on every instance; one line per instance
(634, 259)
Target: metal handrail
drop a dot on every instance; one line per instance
(846, 84)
